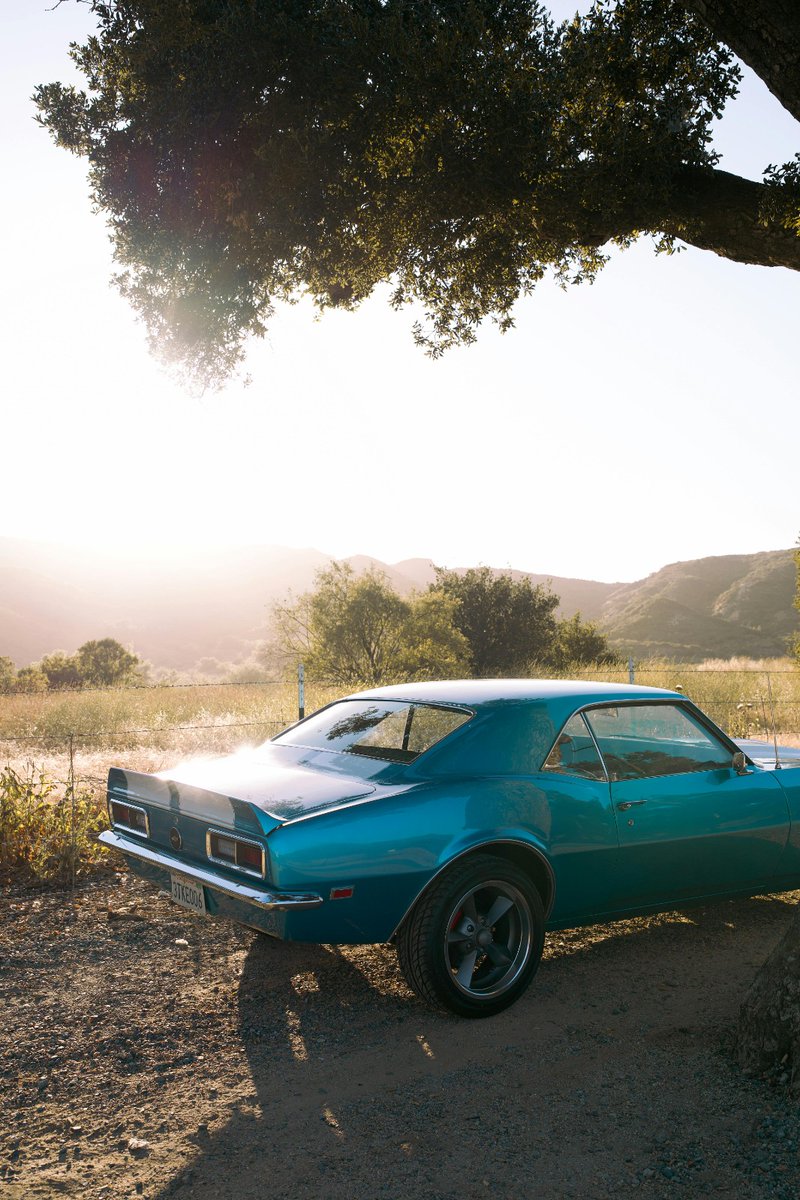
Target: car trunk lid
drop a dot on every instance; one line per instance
(241, 791)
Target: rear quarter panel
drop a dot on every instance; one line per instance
(390, 847)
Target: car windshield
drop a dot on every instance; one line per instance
(389, 729)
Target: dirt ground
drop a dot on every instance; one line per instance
(145, 1052)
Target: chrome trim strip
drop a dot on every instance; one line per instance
(487, 846)
(239, 891)
(579, 712)
(588, 727)
(112, 800)
(234, 837)
(676, 701)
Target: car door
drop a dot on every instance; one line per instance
(688, 824)
(584, 843)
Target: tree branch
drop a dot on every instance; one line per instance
(703, 206)
(717, 211)
(765, 34)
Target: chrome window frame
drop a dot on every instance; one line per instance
(233, 866)
(682, 704)
(579, 712)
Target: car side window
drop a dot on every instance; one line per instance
(643, 740)
(574, 752)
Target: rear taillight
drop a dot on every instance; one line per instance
(241, 853)
(130, 817)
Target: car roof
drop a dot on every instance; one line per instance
(478, 692)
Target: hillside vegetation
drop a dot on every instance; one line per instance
(176, 611)
(734, 604)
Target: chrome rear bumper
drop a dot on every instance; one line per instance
(280, 901)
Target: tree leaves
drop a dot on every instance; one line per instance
(252, 151)
(357, 631)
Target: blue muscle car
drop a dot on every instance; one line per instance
(461, 820)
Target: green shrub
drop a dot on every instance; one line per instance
(48, 830)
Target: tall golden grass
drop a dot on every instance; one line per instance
(55, 751)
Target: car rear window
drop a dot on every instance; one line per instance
(389, 729)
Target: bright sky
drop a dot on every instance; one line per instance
(650, 418)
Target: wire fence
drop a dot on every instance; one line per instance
(145, 725)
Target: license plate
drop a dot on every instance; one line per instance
(188, 894)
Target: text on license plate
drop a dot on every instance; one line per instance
(187, 893)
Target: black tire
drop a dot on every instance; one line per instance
(473, 940)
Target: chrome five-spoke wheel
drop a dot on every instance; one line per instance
(473, 941)
(488, 938)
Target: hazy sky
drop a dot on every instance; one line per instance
(649, 418)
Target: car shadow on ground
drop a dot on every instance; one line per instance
(352, 1085)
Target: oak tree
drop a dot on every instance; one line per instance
(62, 670)
(105, 662)
(355, 630)
(251, 151)
(508, 623)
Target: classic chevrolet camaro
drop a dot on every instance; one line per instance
(461, 820)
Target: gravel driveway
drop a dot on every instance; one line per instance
(147, 1053)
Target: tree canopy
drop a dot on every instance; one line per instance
(102, 662)
(106, 663)
(458, 151)
(508, 623)
(356, 630)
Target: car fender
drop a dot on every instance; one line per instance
(388, 848)
(515, 846)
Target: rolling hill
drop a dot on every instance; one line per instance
(735, 604)
(176, 610)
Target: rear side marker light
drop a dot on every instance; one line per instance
(341, 893)
(237, 852)
(130, 817)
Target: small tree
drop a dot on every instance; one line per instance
(8, 673)
(581, 643)
(355, 629)
(106, 663)
(61, 670)
(507, 622)
(30, 679)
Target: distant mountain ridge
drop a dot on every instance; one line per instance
(176, 611)
(708, 607)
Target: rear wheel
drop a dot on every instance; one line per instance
(473, 941)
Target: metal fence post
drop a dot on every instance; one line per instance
(631, 671)
(73, 849)
(301, 691)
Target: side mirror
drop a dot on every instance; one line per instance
(739, 765)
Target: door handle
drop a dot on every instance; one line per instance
(624, 805)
